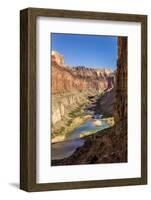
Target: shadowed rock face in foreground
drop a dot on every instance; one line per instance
(105, 105)
(104, 147)
(109, 146)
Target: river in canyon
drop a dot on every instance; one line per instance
(76, 138)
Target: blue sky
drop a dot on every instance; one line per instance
(88, 50)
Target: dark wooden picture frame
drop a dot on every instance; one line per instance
(28, 98)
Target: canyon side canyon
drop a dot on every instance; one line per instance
(73, 85)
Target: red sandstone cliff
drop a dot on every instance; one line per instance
(67, 79)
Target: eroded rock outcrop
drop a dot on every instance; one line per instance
(63, 104)
(57, 58)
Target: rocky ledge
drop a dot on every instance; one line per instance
(102, 147)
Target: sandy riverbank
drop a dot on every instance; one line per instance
(74, 124)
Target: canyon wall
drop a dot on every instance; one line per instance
(68, 79)
(62, 104)
(121, 81)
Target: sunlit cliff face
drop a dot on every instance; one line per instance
(57, 58)
(68, 79)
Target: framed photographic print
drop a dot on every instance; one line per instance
(83, 92)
